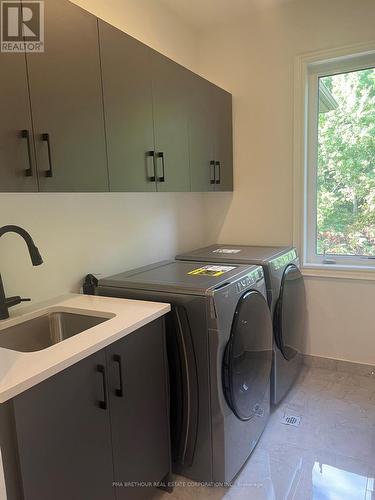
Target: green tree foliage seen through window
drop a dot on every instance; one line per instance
(346, 165)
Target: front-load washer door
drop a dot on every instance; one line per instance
(290, 313)
(248, 356)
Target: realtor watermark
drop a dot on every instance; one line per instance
(22, 26)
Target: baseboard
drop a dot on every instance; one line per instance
(339, 365)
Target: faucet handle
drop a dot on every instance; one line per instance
(25, 300)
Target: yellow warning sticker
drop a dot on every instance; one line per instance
(214, 271)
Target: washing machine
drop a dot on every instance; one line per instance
(286, 299)
(219, 344)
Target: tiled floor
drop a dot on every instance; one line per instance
(329, 456)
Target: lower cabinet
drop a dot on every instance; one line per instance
(63, 436)
(95, 430)
(139, 410)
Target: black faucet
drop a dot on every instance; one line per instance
(36, 259)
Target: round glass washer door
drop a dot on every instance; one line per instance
(248, 356)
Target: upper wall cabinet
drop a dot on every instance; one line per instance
(146, 104)
(210, 136)
(17, 163)
(126, 67)
(100, 111)
(171, 104)
(66, 101)
(201, 134)
(223, 140)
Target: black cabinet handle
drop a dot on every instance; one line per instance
(151, 154)
(218, 177)
(46, 138)
(162, 178)
(212, 172)
(120, 391)
(103, 404)
(25, 134)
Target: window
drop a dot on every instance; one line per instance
(339, 161)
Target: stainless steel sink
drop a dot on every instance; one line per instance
(46, 330)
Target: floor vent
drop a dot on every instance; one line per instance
(291, 420)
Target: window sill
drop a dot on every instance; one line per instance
(336, 271)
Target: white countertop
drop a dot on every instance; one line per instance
(21, 370)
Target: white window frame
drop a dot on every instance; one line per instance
(308, 69)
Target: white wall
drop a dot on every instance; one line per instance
(254, 60)
(103, 233)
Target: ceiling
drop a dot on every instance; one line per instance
(201, 14)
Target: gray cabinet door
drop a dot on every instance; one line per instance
(139, 409)
(17, 162)
(223, 140)
(201, 134)
(127, 94)
(66, 99)
(64, 435)
(170, 99)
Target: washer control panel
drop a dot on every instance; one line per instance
(243, 284)
(249, 280)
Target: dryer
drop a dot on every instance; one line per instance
(286, 299)
(219, 344)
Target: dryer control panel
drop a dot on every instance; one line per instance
(283, 260)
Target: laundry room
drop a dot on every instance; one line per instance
(190, 312)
